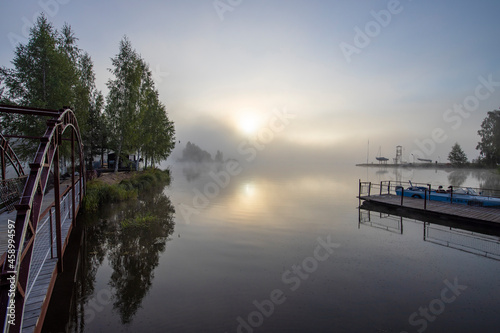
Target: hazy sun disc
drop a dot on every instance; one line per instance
(248, 124)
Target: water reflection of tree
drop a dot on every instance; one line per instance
(488, 179)
(458, 177)
(193, 171)
(132, 235)
(134, 251)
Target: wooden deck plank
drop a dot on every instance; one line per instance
(480, 214)
(33, 306)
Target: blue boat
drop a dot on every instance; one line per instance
(465, 196)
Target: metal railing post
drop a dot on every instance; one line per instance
(359, 193)
(58, 211)
(425, 199)
(51, 235)
(73, 178)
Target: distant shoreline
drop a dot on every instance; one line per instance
(422, 166)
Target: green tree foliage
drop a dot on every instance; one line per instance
(3, 98)
(50, 71)
(123, 100)
(96, 136)
(138, 120)
(457, 156)
(489, 146)
(157, 131)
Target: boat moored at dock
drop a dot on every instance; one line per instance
(466, 195)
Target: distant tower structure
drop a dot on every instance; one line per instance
(399, 155)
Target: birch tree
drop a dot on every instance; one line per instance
(122, 109)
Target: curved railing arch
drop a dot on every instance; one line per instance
(30, 204)
(11, 155)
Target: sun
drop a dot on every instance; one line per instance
(248, 125)
(248, 122)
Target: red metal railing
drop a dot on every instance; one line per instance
(6, 151)
(29, 206)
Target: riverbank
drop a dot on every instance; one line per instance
(112, 178)
(121, 186)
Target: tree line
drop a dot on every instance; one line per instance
(50, 71)
(488, 146)
(193, 153)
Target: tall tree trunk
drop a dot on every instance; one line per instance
(137, 160)
(102, 157)
(117, 155)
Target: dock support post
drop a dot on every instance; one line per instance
(381, 188)
(451, 194)
(369, 188)
(58, 211)
(402, 195)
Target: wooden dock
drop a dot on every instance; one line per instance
(43, 271)
(482, 215)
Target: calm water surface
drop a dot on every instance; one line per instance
(279, 251)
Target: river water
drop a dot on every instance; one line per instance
(259, 249)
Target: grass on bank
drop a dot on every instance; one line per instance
(99, 193)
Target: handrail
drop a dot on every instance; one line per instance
(28, 209)
(389, 187)
(392, 185)
(42, 215)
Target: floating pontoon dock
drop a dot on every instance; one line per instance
(385, 194)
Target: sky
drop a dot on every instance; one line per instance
(320, 81)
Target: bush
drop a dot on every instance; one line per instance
(99, 193)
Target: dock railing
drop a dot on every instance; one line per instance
(388, 187)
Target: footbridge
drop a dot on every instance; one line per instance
(37, 228)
